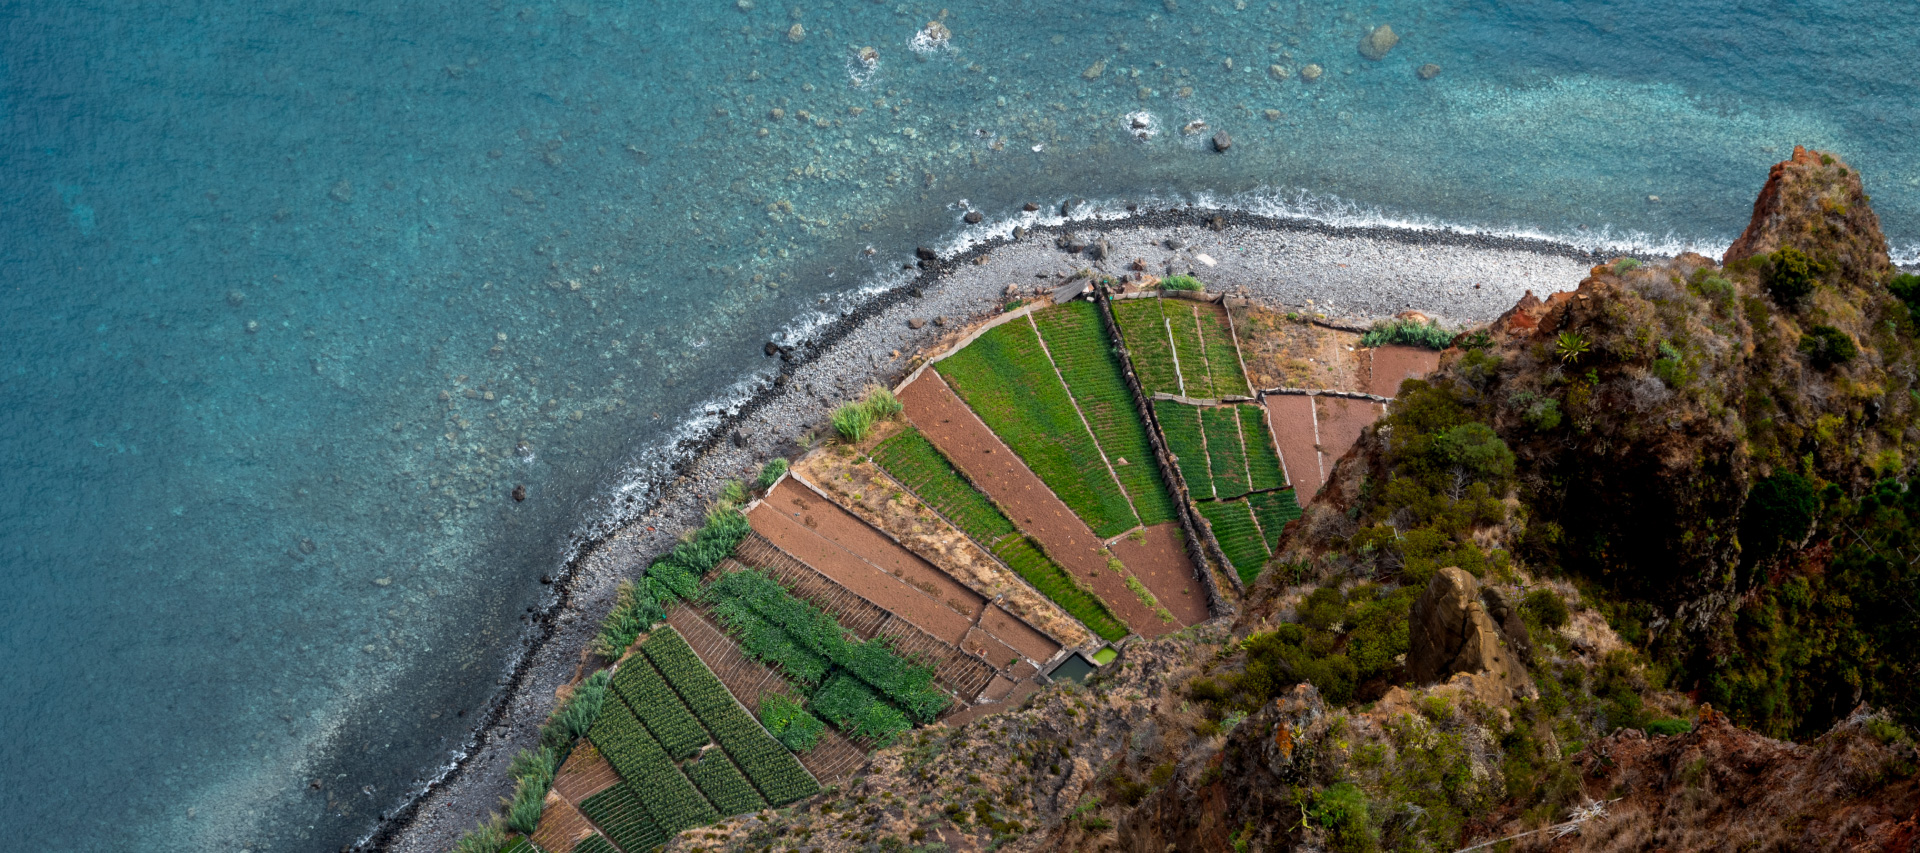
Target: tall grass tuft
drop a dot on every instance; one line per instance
(1411, 333)
(488, 837)
(881, 403)
(1181, 282)
(772, 472)
(853, 421)
(533, 771)
(633, 610)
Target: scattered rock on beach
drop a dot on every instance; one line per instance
(1376, 44)
(1176, 243)
(916, 323)
(1099, 249)
(1019, 232)
(925, 254)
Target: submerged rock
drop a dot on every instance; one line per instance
(973, 217)
(1376, 44)
(1094, 71)
(1222, 141)
(796, 33)
(1310, 72)
(1428, 71)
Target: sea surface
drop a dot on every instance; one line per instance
(297, 291)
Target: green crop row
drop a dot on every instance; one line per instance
(1274, 510)
(1007, 380)
(724, 785)
(672, 800)
(770, 766)
(1145, 330)
(1263, 461)
(657, 706)
(787, 720)
(619, 812)
(913, 460)
(1232, 523)
(1223, 359)
(1180, 423)
(673, 576)
(769, 643)
(903, 682)
(1080, 346)
(1226, 461)
(1188, 351)
(597, 843)
(1024, 556)
(849, 703)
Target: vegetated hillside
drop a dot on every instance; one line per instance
(1678, 495)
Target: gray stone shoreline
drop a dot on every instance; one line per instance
(1351, 275)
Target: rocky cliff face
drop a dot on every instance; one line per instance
(1683, 481)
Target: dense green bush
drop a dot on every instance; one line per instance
(1791, 274)
(532, 771)
(853, 421)
(570, 721)
(790, 722)
(1779, 510)
(772, 472)
(1544, 609)
(1342, 810)
(1181, 282)
(1411, 333)
(1826, 346)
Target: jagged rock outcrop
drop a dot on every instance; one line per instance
(1818, 205)
(1451, 631)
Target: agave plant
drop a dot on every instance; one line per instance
(1570, 346)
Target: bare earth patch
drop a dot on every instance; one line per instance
(1290, 416)
(1341, 420)
(1283, 353)
(1387, 367)
(860, 487)
(1159, 559)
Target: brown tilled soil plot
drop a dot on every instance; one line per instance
(980, 455)
(1038, 647)
(1389, 366)
(858, 485)
(1341, 420)
(1290, 416)
(815, 534)
(561, 825)
(799, 499)
(1283, 353)
(1159, 560)
(585, 773)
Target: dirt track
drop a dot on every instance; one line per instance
(990, 464)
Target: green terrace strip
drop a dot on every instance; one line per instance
(1273, 510)
(655, 703)
(724, 785)
(1188, 352)
(1145, 331)
(900, 681)
(673, 577)
(1007, 380)
(913, 460)
(770, 766)
(1225, 459)
(789, 722)
(1232, 523)
(672, 800)
(1223, 358)
(849, 703)
(1080, 346)
(1180, 423)
(597, 844)
(521, 845)
(619, 813)
(1263, 461)
(767, 642)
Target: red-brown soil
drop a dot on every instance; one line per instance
(1389, 366)
(561, 824)
(984, 459)
(1290, 416)
(1160, 561)
(1038, 647)
(585, 772)
(799, 500)
(815, 535)
(1341, 419)
(989, 648)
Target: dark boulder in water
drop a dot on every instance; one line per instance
(519, 493)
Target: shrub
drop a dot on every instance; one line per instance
(1779, 510)
(1827, 346)
(1475, 447)
(1668, 727)
(1626, 265)
(1342, 811)
(1791, 274)
(881, 404)
(772, 472)
(1181, 282)
(532, 770)
(633, 610)
(488, 837)
(1570, 346)
(1543, 415)
(1411, 333)
(1546, 608)
(853, 421)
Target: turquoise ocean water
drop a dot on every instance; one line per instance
(296, 291)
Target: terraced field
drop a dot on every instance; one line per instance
(1007, 379)
(1240, 539)
(913, 461)
(1263, 460)
(1273, 510)
(1078, 341)
(1226, 459)
(1182, 347)
(1180, 424)
(1145, 330)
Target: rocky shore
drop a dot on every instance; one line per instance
(1351, 275)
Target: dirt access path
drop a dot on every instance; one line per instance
(990, 464)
